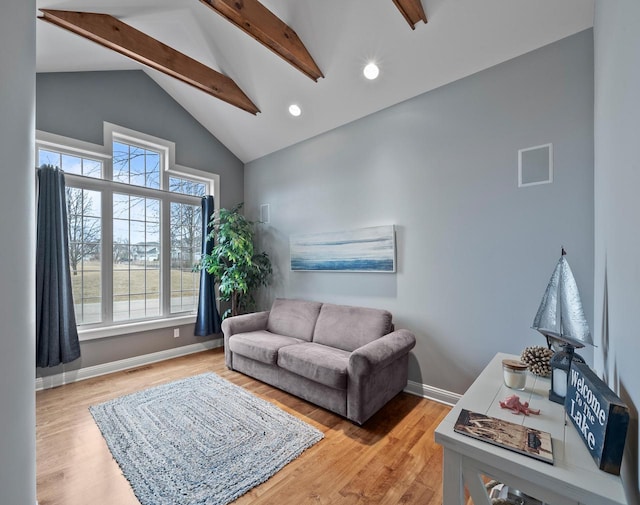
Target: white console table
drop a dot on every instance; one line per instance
(573, 479)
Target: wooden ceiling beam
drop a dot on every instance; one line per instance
(412, 11)
(264, 26)
(112, 33)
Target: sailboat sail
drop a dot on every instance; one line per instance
(560, 315)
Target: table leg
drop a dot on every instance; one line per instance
(475, 484)
(452, 480)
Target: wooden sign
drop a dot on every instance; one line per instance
(599, 415)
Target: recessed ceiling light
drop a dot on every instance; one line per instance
(295, 110)
(371, 71)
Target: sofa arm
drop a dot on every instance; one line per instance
(381, 352)
(246, 322)
(241, 324)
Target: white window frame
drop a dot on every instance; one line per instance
(112, 132)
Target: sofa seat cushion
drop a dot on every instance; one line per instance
(316, 362)
(293, 318)
(260, 345)
(348, 328)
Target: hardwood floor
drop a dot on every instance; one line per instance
(392, 459)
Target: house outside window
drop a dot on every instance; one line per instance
(135, 230)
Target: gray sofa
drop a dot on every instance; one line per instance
(345, 359)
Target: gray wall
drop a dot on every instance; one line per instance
(474, 252)
(617, 241)
(76, 105)
(17, 250)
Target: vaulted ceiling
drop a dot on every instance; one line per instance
(307, 52)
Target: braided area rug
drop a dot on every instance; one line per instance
(200, 440)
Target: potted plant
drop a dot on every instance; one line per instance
(237, 268)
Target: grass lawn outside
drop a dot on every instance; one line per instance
(136, 290)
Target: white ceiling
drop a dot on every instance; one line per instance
(461, 38)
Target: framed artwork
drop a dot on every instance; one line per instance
(362, 250)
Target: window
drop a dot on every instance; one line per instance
(136, 257)
(70, 164)
(187, 187)
(85, 237)
(135, 229)
(186, 244)
(136, 165)
(85, 234)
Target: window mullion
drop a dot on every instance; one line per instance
(107, 255)
(188, 199)
(107, 243)
(165, 240)
(165, 264)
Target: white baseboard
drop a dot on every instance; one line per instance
(432, 393)
(70, 376)
(67, 377)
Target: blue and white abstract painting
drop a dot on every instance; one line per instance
(362, 250)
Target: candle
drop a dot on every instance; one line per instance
(560, 382)
(514, 373)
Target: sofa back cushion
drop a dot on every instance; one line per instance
(293, 318)
(348, 328)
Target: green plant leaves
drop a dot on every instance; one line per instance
(238, 269)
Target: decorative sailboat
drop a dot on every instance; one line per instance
(560, 318)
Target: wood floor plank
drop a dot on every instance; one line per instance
(391, 459)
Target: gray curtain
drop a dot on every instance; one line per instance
(56, 332)
(208, 319)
